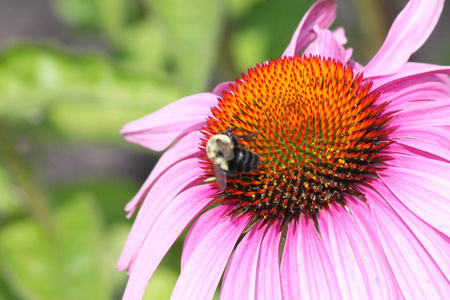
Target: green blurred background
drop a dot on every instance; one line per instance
(72, 72)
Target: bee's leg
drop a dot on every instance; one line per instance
(247, 136)
(235, 137)
(229, 130)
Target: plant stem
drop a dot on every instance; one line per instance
(32, 196)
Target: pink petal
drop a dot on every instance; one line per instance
(157, 130)
(291, 274)
(268, 284)
(415, 271)
(341, 39)
(326, 46)
(162, 193)
(356, 254)
(411, 73)
(197, 231)
(322, 13)
(306, 269)
(413, 90)
(436, 243)
(239, 281)
(436, 113)
(415, 162)
(425, 193)
(223, 87)
(424, 126)
(202, 272)
(409, 31)
(366, 223)
(185, 148)
(401, 149)
(165, 230)
(339, 35)
(428, 139)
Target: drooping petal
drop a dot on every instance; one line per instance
(413, 90)
(410, 30)
(367, 225)
(239, 281)
(202, 272)
(322, 13)
(165, 230)
(159, 129)
(434, 113)
(180, 175)
(356, 255)
(415, 271)
(185, 148)
(427, 139)
(327, 46)
(424, 126)
(435, 242)
(425, 193)
(291, 263)
(407, 74)
(306, 269)
(416, 162)
(197, 231)
(268, 284)
(402, 149)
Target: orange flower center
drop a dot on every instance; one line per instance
(319, 134)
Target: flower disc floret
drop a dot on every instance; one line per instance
(320, 135)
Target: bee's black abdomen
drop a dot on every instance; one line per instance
(243, 161)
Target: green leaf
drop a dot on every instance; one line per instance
(72, 263)
(110, 196)
(77, 13)
(193, 29)
(80, 95)
(238, 7)
(249, 48)
(266, 31)
(137, 39)
(144, 47)
(105, 15)
(112, 14)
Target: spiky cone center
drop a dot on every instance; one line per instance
(320, 136)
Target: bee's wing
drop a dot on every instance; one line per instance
(221, 177)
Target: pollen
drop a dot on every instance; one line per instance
(320, 134)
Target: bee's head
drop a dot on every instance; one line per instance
(220, 145)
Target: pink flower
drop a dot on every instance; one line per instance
(351, 199)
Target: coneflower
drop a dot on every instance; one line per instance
(351, 199)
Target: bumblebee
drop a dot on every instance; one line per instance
(228, 157)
